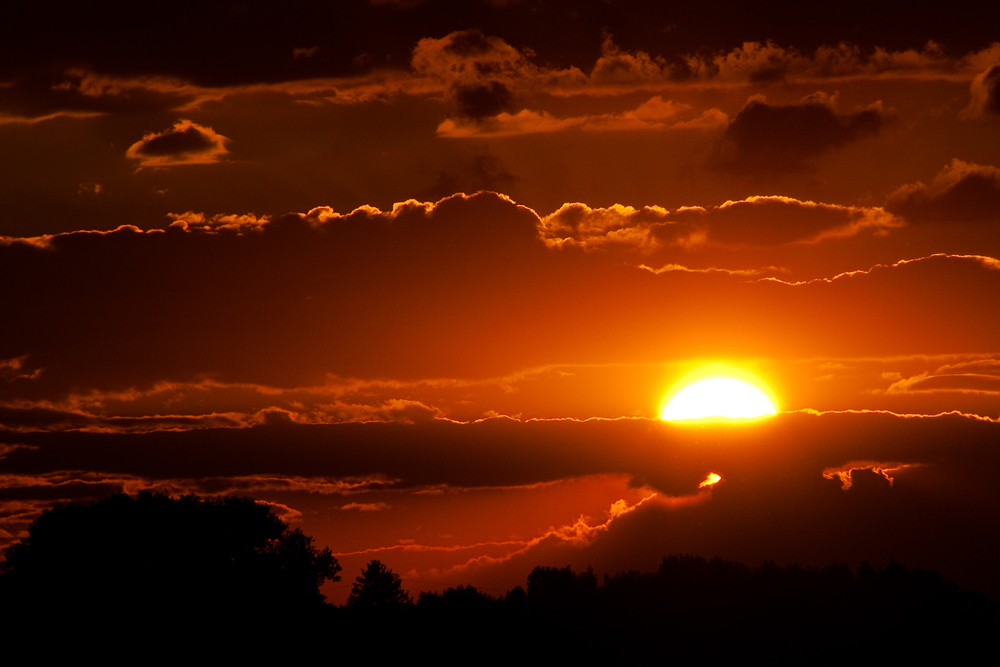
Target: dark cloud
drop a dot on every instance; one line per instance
(185, 143)
(774, 221)
(961, 193)
(776, 138)
(35, 95)
(483, 101)
(776, 499)
(260, 37)
(468, 43)
(503, 452)
(992, 84)
(189, 140)
(247, 287)
(53, 419)
(427, 291)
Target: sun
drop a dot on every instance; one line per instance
(718, 393)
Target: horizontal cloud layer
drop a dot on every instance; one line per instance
(440, 290)
(781, 481)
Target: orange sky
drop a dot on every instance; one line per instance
(421, 279)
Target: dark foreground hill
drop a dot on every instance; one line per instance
(226, 578)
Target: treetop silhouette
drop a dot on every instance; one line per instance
(378, 588)
(160, 556)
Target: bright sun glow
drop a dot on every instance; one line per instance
(712, 479)
(726, 394)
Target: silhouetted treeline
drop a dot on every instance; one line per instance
(174, 576)
(708, 609)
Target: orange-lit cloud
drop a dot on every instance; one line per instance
(185, 143)
(844, 472)
(654, 114)
(980, 376)
(482, 74)
(960, 193)
(760, 221)
(365, 507)
(756, 62)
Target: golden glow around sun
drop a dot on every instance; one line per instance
(719, 393)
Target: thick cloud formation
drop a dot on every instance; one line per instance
(961, 193)
(445, 291)
(185, 143)
(921, 489)
(781, 138)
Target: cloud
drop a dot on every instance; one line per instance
(365, 507)
(446, 257)
(591, 228)
(483, 75)
(481, 101)
(616, 67)
(185, 143)
(962, 192)
(985, 91)
(469, 57)
(991, 82)
(783, 138)
(768, 62)
(346, 458)
(654, 114)
(752, 62)
(771, 221)
(979, 376)
(438, 290)
(780, 497)
(81, 93)
(506, 125)
(755, 221)
(845, 472)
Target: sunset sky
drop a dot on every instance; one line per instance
(419, 274)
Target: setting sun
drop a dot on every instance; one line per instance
(718, 393)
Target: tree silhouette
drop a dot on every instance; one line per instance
(153, 559)
(378, 588)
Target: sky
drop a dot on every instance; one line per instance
(420, 275)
